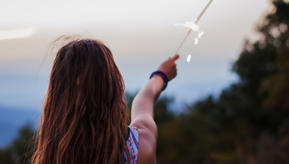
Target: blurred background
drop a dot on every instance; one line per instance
(230, 104)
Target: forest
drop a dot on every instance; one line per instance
(246, 124)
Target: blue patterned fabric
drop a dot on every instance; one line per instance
(132, 144)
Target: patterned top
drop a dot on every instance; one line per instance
(132, 144)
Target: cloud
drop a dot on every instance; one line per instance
(17, 34)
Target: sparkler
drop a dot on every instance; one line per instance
(193, 27)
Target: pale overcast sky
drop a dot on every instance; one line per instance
(141, 35)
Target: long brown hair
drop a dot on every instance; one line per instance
(84, 119)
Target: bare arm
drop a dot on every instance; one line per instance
(142, 111)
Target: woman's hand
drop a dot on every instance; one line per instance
(169, 67)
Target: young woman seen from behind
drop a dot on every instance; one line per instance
(84, 119)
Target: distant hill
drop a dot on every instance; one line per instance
(11, 120)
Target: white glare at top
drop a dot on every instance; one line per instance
(15, 34)
(189, 58)
(190, 25)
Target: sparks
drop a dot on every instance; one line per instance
(201, 34)
(189, 58)
(190, 25)
(193, 27)
(196, 40)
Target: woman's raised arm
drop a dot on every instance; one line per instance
(142, 111)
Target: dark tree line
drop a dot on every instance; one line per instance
(247, 124)
(20, 150)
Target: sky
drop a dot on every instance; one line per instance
(141, 35)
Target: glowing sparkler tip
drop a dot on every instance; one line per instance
(190, 25)
(189, 58)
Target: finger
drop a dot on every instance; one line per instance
(176, 57)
